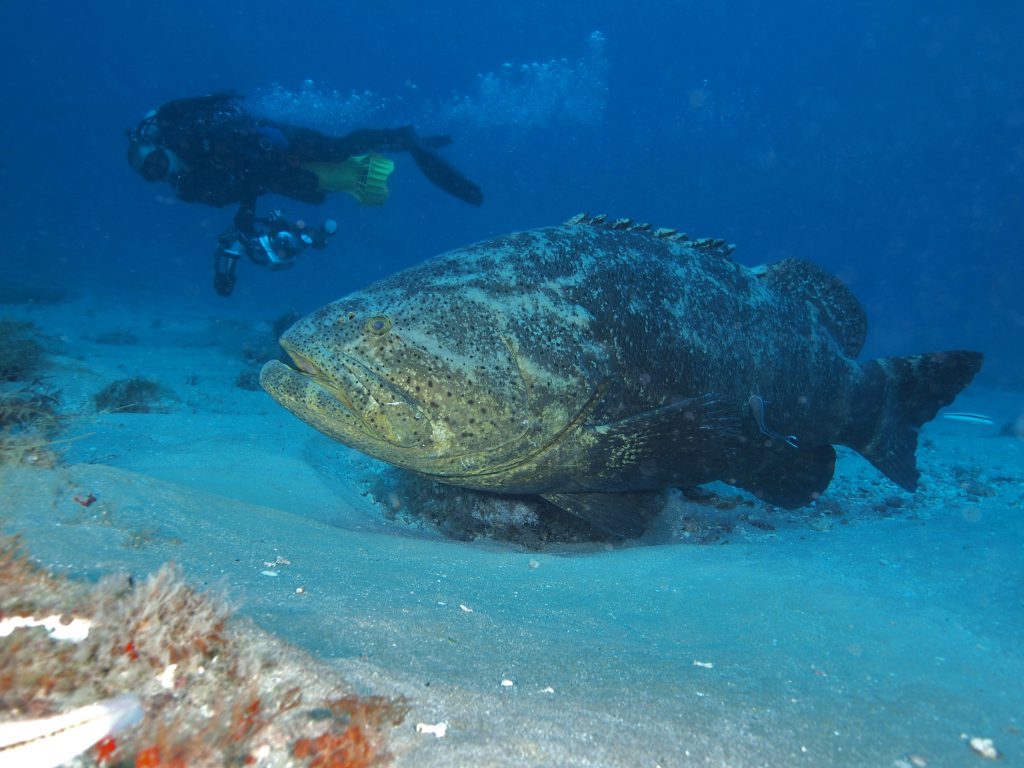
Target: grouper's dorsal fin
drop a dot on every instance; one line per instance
(840, 311)
(711, 244)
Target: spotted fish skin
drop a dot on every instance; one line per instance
(607, 357)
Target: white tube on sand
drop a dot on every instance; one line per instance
(51, 741)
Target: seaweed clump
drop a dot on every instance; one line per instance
(248, 380)
(134, 395)
(29, 420)
(21, 355)
(29, 416)
(215, 691)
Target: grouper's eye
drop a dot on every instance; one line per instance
(378, 325)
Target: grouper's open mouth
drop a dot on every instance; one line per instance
(305, 367)
(351, 403)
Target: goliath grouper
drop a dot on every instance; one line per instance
(597, 363)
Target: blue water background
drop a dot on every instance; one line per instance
(883, 141)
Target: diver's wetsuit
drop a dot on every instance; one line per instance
(231, 156)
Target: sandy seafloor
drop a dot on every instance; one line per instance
(879, 630)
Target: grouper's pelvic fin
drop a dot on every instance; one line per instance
(704, 431)
(623, 515)
(895, 397)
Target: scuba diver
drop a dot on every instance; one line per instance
(210, 150)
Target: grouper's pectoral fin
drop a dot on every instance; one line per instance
(688, 442)
(793, 478)
(621, 514)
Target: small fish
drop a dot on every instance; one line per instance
(52, 741)
(970, 418)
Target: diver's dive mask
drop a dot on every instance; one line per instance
(150, 160)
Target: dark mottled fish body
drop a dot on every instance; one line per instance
(601, 358)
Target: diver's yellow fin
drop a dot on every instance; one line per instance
(365, 177)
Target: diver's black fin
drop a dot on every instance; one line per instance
(793, 478)
(437, 141)
(687, 442)
(841, 313)
(444, 175)
(625, 515)
(898, 395)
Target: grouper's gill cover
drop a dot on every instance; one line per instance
(595, 361)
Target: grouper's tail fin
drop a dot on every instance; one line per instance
(895, 397)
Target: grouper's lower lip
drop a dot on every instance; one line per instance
(307, 369)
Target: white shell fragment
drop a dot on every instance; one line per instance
(984, 747)
(76, 630)
(166, 678)
(439, 730)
